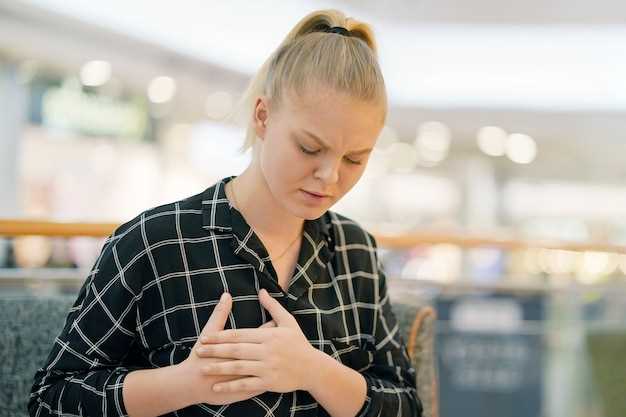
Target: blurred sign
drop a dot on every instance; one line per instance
(490, 358)
(67, 107)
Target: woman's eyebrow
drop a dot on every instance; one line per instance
(324, 144)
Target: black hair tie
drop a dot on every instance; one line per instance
(339, 30)
(335, 29)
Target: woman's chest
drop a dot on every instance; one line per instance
(173, 311)
(285, 269)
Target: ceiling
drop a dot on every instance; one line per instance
(579, 136)
(496, 11)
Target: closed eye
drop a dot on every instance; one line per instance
(315, 152)
(352, 161)
(308, 151)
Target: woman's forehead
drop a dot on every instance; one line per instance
(342, 128)
(316, 96)
(333, 109)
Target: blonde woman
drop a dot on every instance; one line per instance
(251, 298)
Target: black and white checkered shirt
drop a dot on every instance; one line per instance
(158, 278)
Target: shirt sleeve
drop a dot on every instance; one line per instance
(84, 371)
(391, 380)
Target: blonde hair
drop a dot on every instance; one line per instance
(310, 57)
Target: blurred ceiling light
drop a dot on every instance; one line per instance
(492, 140)
(502, 71)
(521, 148)
(161, 89)
(218, 105)
(432, 142)
(388, 135)
(95, 73)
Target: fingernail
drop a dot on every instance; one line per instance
(223, 298)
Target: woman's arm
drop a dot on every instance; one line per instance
(283, 360)
(85, 374)
(391, 380)
(84, 371)
(339, 389)
(153, 392)
(387, 388)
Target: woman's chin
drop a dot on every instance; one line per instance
(308, 213)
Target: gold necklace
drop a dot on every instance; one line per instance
(237, 206)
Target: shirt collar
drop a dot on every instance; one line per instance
(316, 251)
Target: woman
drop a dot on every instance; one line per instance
(252, 297)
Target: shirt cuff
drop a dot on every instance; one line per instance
(114, 395)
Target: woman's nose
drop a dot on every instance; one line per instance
(328, 171)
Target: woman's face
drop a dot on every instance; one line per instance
(315, 147)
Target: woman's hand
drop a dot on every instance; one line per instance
(278, 359)
(201, 382)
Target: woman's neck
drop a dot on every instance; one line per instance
(261, 210)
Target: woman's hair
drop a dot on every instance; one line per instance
(310, 57)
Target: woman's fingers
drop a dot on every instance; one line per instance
(258, 335)
(268, 324)
(242, 384)
(237, 367)
(253, 351)
(219, 315)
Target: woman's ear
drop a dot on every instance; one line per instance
(261, 113)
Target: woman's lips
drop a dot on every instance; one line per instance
(315, 196)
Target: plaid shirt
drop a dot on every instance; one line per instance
(158, 278)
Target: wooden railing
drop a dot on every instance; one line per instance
(66, 276)
(465, 240)
(25, 227)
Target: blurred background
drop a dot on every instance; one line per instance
(497, 187)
